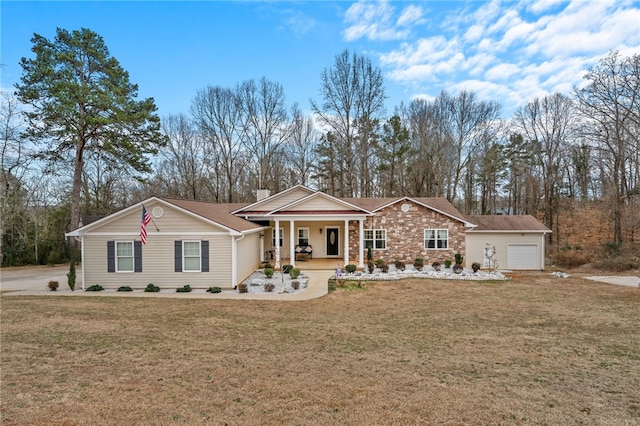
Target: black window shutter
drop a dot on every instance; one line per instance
(111, 256)
(177, 249)
(204, 256)
(137, 256)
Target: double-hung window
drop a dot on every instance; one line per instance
(124, 256)
(276, 241)
(436, 239)
(191, 260)
(375, 239)
(303, 236)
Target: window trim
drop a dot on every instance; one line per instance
(374, 241)
(118, 257)
(184, 256)
(436, 239)
(298, 243)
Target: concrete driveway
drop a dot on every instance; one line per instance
(34, 278)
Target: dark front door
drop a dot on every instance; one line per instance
(333, 241)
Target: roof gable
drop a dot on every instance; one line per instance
(320, 202)
(276, 201)
(507, 223)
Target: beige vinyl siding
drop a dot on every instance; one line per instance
(248, 250)
(172, 220)
(320, 203)
(158, 263)
(477, 241)
(283, 200)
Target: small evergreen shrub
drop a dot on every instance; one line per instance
(457, 269)
(369, 254)
(371, 266)
(286, 268)
(95, 287)
(53, 285)
(447, 263)
(151, 288)
(475, 266)
(294, 273)
(350, 268)
(268, 272)
(459, 258)
(125, 288)
(384, 267)
(418, 263)
(71, 275)
(332, 284)
(184, 289)
(436, 266)
(295, 284)
(269, 287)
(214, 290)
(379, 262)
(400, 265)
(243, 288)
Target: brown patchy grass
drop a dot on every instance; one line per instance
(534, 350)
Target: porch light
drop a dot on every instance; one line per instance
(320, 231)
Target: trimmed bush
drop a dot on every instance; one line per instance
(384, 267)
(152, 288)
(71, 275)
(459, 258)
(294, 273)
(268, 272)
(447, 263)
(286, 268)
(184, 289)
(371, 266)
(418, 263)
(214, 290)
(269, 287)
(436, 266)
(369, 254)
(475, 266)
(379, 262)
(350, 268)
(243, 288)
(125, 288)
(53, 285)
(457, 269)
(95, 287)
(399, 265)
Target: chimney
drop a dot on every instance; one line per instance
(262, 194)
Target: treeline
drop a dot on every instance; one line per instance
(93, 161)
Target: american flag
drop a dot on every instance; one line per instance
(146, 218)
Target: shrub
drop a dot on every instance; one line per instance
(371, 266)
(457, 268)
(384, 267)
(184, 289)
(268, 272)
(152, 288)
(71, 275)
(95, 287)
(266, 265)
(332, 284)
(436, 266)
(286, 268)
(399, 265)
(618, 264)
(243, 288)
(369, 254)
(268, 287)
(295, 284)
(294, 273)
(475, 266)
(214, 290)
(53, 285)
(379, 262)
(571, 258)
(459, 258)
(418, 263)
(447, 263)
(125, 288)
(350, 268)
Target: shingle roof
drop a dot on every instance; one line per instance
(506, 223)
(219, 213)
(436, 203)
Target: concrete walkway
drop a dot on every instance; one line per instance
(32, 281)
(629, 281)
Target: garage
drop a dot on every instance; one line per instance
(523, 256)
(517, 242)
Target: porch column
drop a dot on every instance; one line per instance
(277, 247)
(346, 241)
(292, 247)
(360, 243)
(262, 236)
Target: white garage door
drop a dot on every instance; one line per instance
(522, 256)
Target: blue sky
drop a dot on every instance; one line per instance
(509, 51)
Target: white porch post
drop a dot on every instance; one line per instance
(262, 237)
(277, 247)
(361, 243)
(346, 241)
(292, 247)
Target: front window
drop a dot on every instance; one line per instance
(436, 239)
(303, 236)
(191, 256)
(124, 256)
(375, 239)
(276, 241)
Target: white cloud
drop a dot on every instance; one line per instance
(372, 21)
(411, 15)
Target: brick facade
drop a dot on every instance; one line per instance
(405, 234)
